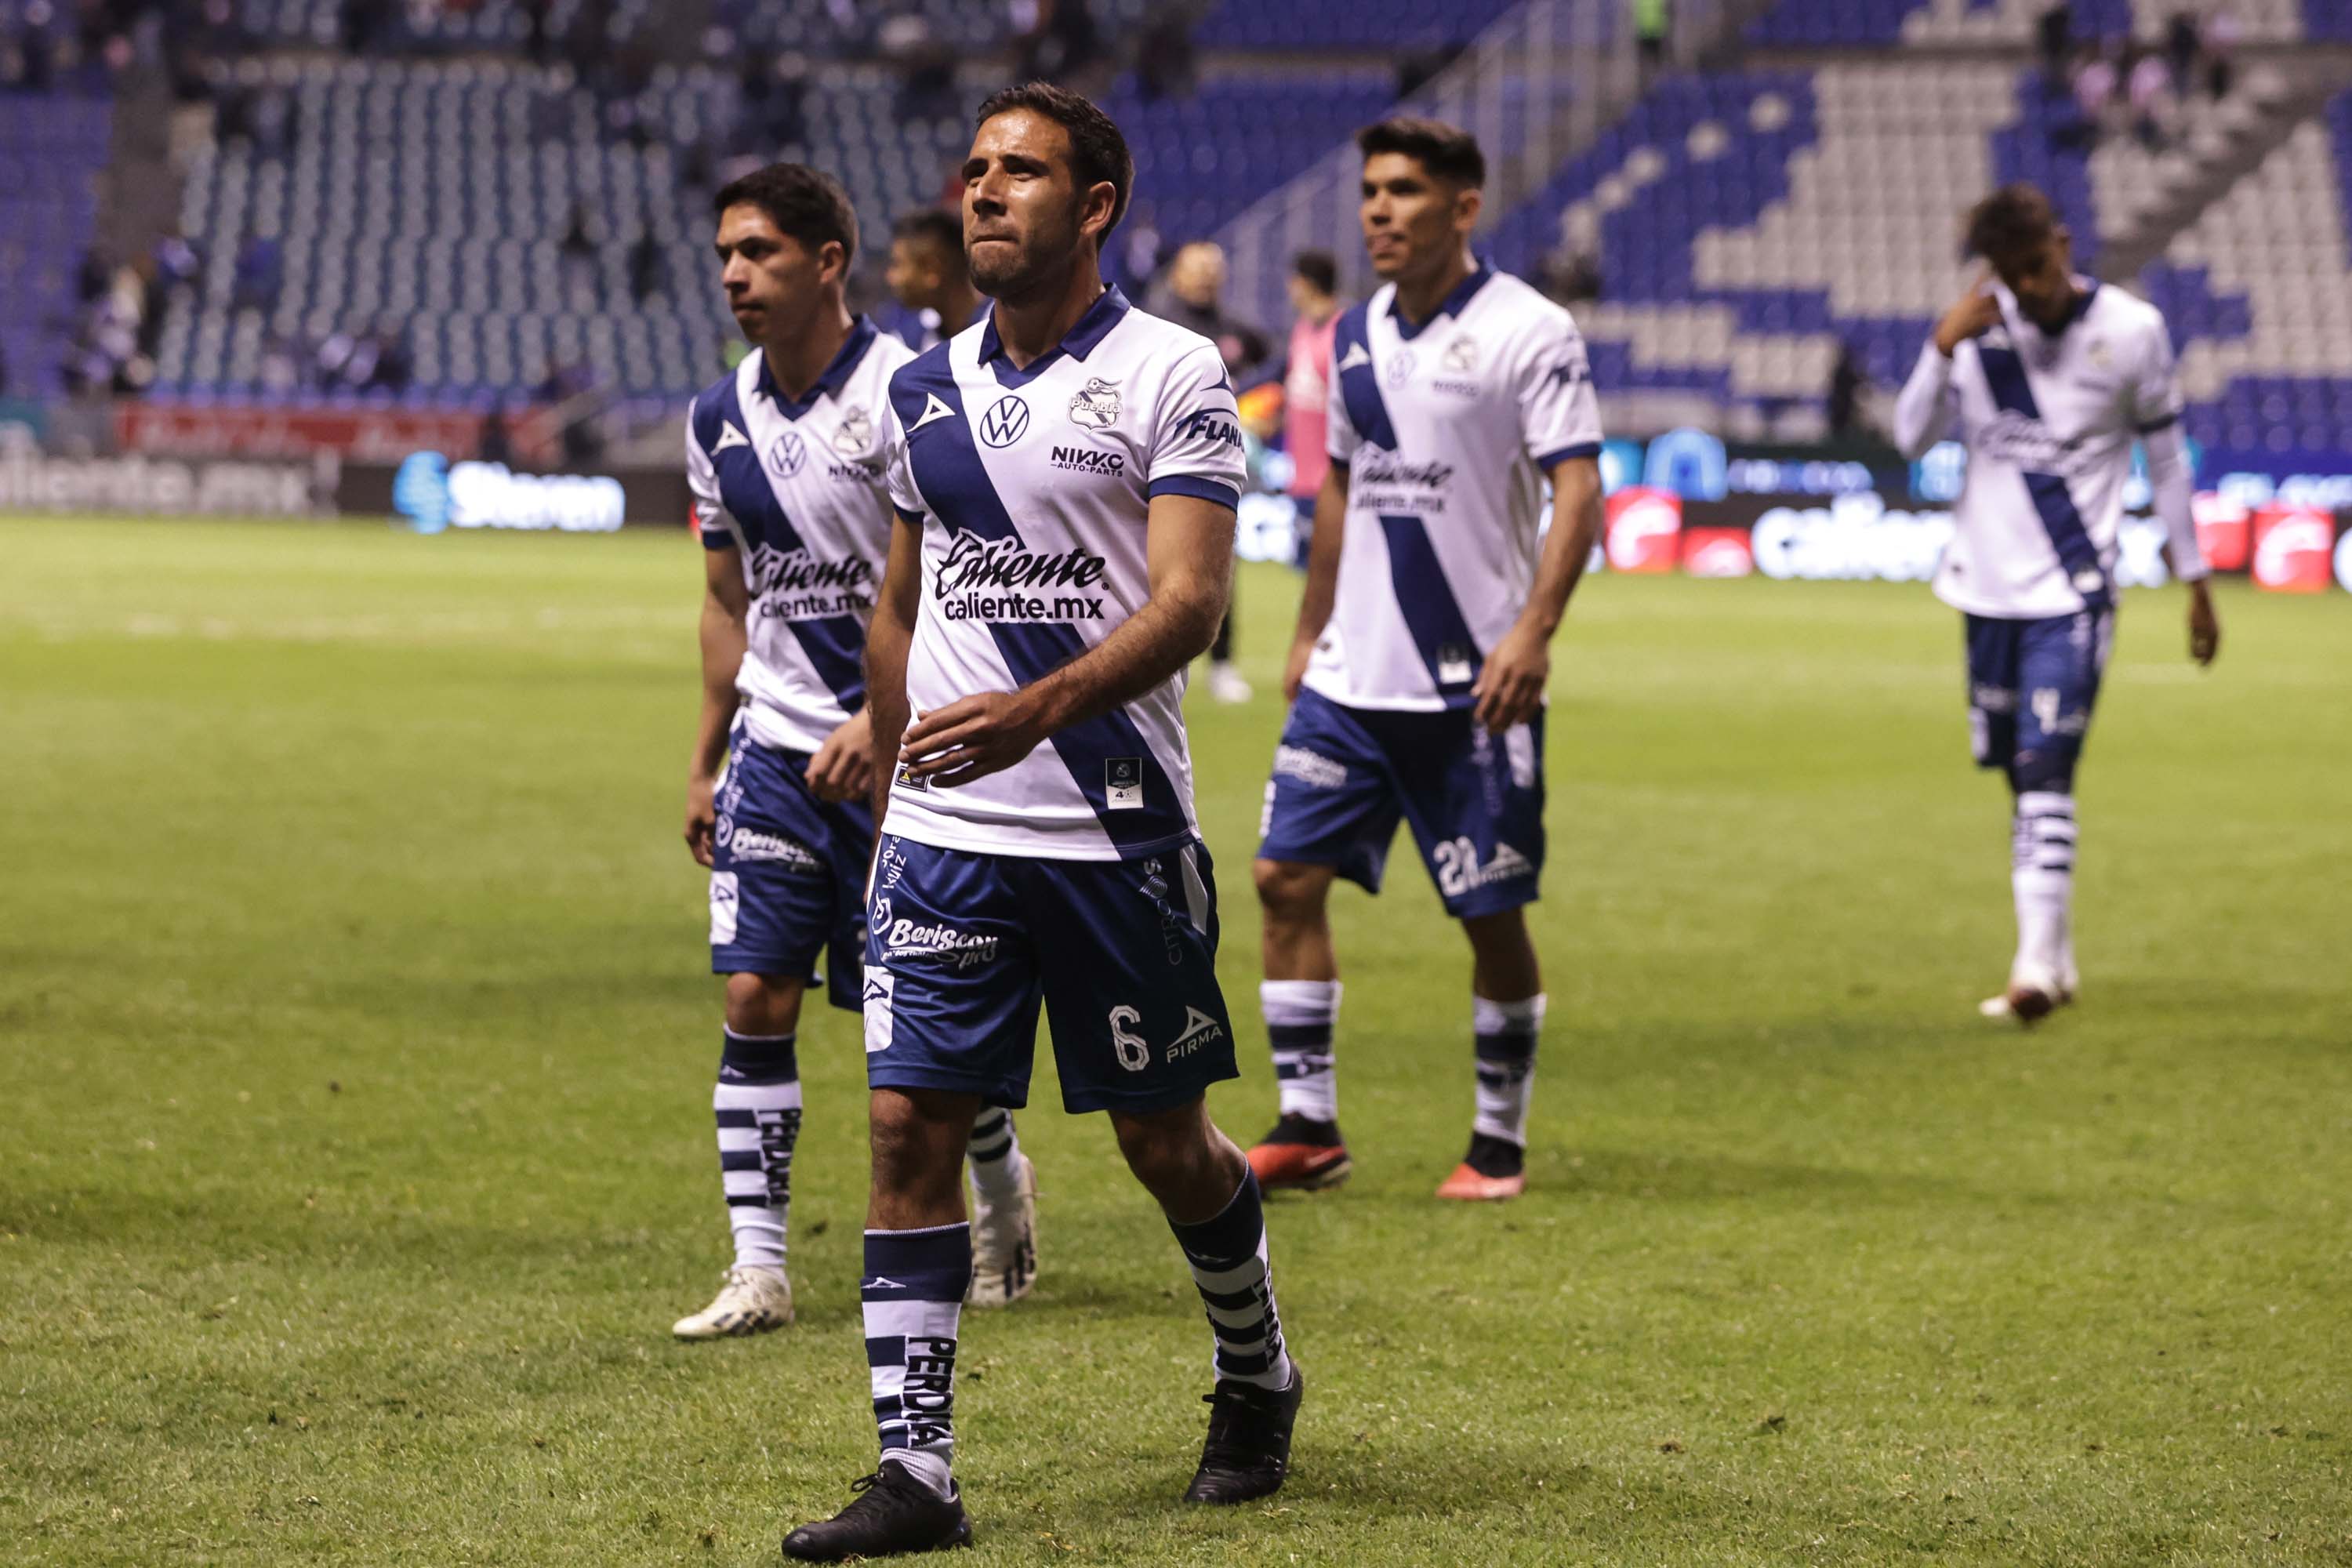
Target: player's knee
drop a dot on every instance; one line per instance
(2047, 770)
(1291, 893)
(1164, 1151)
(766, 1004)
(917, 1140)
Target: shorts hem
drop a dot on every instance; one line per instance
(1500, 903)
(1336, 859)
(737, 962)
(1146, 1102)
(996, 1091)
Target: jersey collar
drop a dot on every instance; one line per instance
(1450, 306)
(1110, 307)
(836, 375)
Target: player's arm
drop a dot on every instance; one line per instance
(1923, 409)
(1188, 551)
(1322, 575)
(725, 606)
(888, 638)
(1510, 684)
(2170, 484)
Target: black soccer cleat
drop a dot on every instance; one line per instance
(1248, 1452)
(893, 1514)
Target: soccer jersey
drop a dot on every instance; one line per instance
(1447, 428)
(1031, 488)
(798, 489)
(2049, 419)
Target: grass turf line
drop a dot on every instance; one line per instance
(355, 1044)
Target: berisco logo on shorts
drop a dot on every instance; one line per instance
(912, 938)
(1311, 768)
(773, 848)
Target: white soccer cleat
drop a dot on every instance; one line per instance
(2035, 993)
(1226, 683)
(1004, 1245)
(751, 1301)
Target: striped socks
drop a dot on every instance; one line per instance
(913, 1297)
(758, 1105)
(1300, 1015)
(2041, 876)
(1506, 1036)
(1228, 1259)
(995, 1154)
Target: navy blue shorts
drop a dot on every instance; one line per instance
(787, 873)
(961, 949)
(2031, 687)
(1343, 777)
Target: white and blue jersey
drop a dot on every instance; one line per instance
(798, 487)
(1447, 429)
(1032, 488)
(2049, 420)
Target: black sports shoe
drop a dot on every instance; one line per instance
(893, 1514)
(1248, 1450)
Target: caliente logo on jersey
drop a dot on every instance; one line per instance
(1006, 421)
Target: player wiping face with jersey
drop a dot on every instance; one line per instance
(784, 457)
(1065, 474)
(1417, 673)
(2048, 379)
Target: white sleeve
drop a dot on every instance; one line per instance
(710, 518)
(1339, 437)
(898, 471)
(2170, 483)
(1560, 414)
(1923, 409)
(1196, 443)
(2155, 389)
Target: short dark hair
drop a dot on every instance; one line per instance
(807, 204)
(1447, 152)
(934, 225)
(1322, 273)
(1097, 151)
(2013, 219)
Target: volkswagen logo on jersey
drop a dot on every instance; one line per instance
(1399, 368)
(1005, 422)
(786, 455)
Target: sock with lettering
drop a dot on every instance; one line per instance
(913, 1296)
(1228, 1258)
(2042, 878)
(995, 1154)
(757, 1104)
(1300, 1015)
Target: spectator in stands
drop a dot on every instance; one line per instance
(260, 275)
(1166, 65)
(2148, 83)
(2094, 95)
(927, 277)
(2055, 34)
(2220, 43)
(2183, 46)
(926, 67)
(1307, 382)
(1194, 297)
(1847, 382)
(1652, 22)
(645, 269)
(1062, 42)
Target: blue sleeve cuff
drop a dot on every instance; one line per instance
(911, 519)
(717, 539)
(1198, 486)
(2166, 423)
(1581, 449)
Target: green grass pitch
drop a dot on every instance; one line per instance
(355, 1148)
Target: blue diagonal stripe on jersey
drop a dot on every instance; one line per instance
(956, 483)
(2011, 393)
(834, 645)
(1359, 384)
(1425, 599)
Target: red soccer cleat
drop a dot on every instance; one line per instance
(1467, 1185)
(1307, 1156)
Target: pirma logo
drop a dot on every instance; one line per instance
(420, 492)
(1006, 422)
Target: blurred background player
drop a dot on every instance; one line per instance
(1193, 296)
(2050, 378)
(1314, 285)
(1417, 674)
(927, 277)
(1041, 844)
(784, 457)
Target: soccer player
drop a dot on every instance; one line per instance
(784, 459)
(1065, 475)
(1417, 674)
(927, 277)
(2050, 378)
